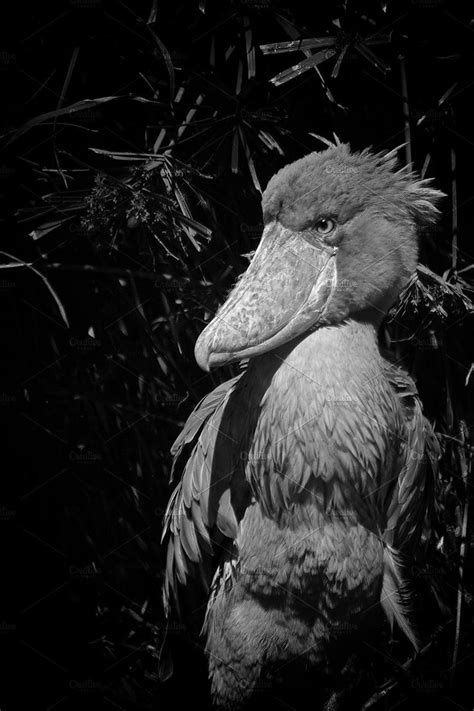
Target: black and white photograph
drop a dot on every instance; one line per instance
(237, 283)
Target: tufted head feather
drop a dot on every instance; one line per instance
(340, 183)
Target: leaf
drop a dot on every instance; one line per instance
(297, 69)
(167, 57)
(181, 200)
(337, 66)
(67, 80)
(165, 666)
(372, 58)
(297, 45)
(238, 81)
(250, 49)
(128, 155)
(191, 222)
(292, 32)
(379, 38)
(235, 152)
(45, 282)
(82, 105)
(250, 162)
(48, 227)
(271, 142)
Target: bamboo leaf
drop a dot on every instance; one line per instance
(235, 152)
(250, 162)
(48, 227)
(45, 281)
(297, 45)
(297, 69)
(249, 48)
(372, 58)
(78, 106)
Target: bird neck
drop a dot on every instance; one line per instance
(333, 358)
(337, 352)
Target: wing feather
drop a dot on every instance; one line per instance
(201, 529)
(419, 452)
(226, 519)
(198, 418)
(180, 566)
(206, 503)
(408, 500)
(189, 538)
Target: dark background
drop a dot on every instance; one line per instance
(136, 138)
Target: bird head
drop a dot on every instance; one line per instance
(339, 240)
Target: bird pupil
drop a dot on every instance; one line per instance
(324, 225)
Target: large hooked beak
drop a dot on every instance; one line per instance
(283, 294)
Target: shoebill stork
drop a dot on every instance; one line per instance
(304, 478)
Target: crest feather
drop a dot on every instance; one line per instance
(425, 199)
(421, 198)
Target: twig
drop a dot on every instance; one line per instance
(406, 110)
(454, 211)
(461, 449)
(392, 684)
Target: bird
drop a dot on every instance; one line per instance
(303, 482)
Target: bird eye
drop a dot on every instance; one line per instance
(325, 225)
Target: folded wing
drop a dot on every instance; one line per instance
(204, 510)
(409, 499)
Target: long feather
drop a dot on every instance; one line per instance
(188, 537)
(202, 499)
(394, 595)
